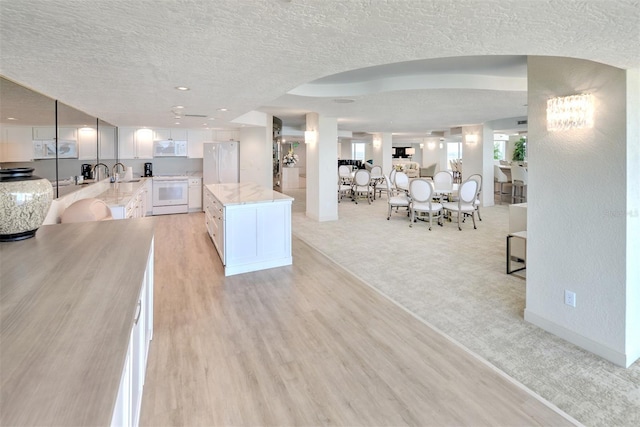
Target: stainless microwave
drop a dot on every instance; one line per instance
(170, 148)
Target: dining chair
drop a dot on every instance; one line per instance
(442, 184)
(376, 180)
(402, 181)
(343, 189)
(519, 178)
(478, 177)
(362, 186)
(421, 195)
(392, 176)
(395, 198)
(344, 172)
(465, 206)
(376, 171)
(500, 178)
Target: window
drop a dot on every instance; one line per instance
(499, 150)
(358, 151)
(454, 152)
(500, 146)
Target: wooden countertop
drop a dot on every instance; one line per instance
(244, 193)
(67, 304)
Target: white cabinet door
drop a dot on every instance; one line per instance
(149, 195)
(126, 143)
(122, 411)
(195, 194)
(144, 144)
(68, 134)
(195, 139)
(135, 143)
(161, 134)
(174, 133)
(179, 134)
(107, 143)
(16, 145)
(49, 132)
(128, 401)
(88, 144)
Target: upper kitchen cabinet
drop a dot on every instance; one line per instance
(75, 125)
(15, 144)
(135, 143)
(196, 139)
(20, 110)
(226, 135)
(88, 144)
(166, 134)
(106, 141)
(49, 132)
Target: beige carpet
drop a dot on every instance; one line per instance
(455, 281)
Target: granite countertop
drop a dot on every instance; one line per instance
(245, 192)
(67, 308)
(120, 193)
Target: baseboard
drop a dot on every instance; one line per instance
(321, 218)
(581, 341)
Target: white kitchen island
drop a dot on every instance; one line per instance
(250, 226)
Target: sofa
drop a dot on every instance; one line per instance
(412, 169)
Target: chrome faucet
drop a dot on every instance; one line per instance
(96, 171)
(114, 169)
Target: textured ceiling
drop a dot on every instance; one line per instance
(120, 60)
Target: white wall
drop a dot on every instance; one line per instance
(577, 200)
(430, 152)
(256, 152)
(322, 169)
(633, 215)
(477, 158)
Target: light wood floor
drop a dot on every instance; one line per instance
(307, 344)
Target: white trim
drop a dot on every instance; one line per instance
(581, 341)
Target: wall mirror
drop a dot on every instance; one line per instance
(28, 125)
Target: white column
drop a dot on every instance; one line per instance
(256, 148)
(322, 168)
(477, 158)
(584, 239)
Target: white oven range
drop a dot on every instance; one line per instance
(170, 194)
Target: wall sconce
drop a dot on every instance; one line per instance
(376, 142)
(471, 138)
(431, 145)
(570, 112)
(310, 136)
(441, 145)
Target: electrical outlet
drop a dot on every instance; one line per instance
(570, 298)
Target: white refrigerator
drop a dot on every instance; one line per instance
(221, 162)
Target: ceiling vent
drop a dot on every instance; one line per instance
(196, 115)
(456, 131)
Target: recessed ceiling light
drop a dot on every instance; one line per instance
(179, 106)
(182, 88)
(212, 118)
(222, 109)
(11, 118)
(176, 123)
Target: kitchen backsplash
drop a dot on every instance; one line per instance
(71, 167)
